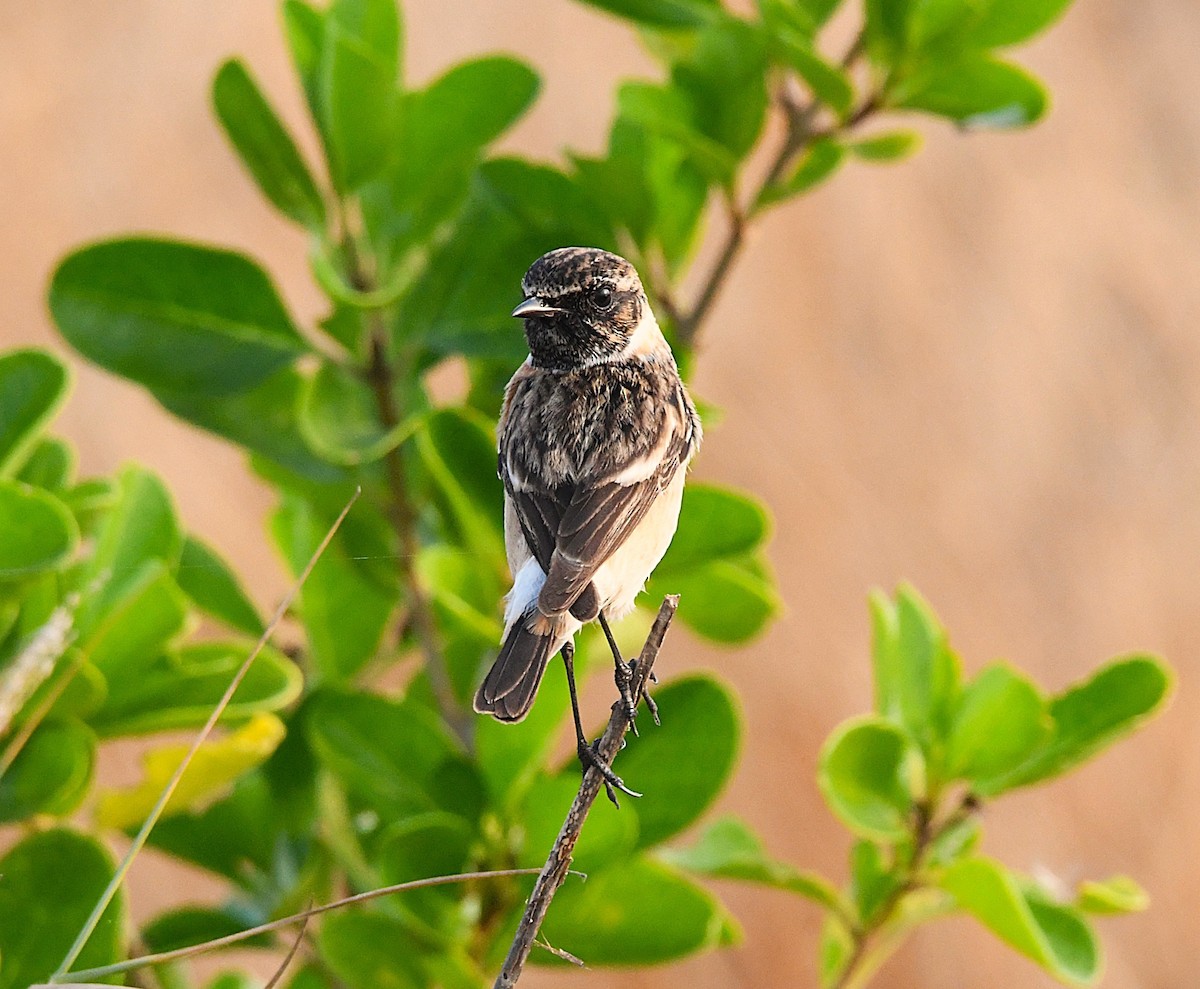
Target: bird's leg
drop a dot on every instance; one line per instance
(588, 755)
(623, 674)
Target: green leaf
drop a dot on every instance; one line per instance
(304, 26)
(345, 614)
(173, 316)
(89, 500)
(725, 600)
(51, 465)
(37, 531)
(141, 527)
(669, 112)
(724, 75)
(387, 752)
(265, 147)
(819, 162)
(51, 773)
(1056, 937)
(238, 836)
(916, 673)
(52, 880)
(458, 451)
(636, 913)
(828, 83)
(205, 578)
(357, 94)
(520, 210)
(610, 835)
(447, 124)
(661, 13)
(801, 17)
(714, 523)
(180, 689)
(33, 386)
(871, 879)
(511, 756)
(262, 419)
(339, 417)
(128, 638)
(213, 769)
(1000, 720)
(728, 849)
(1115, 895)
(975, 91)
(370, 951)
(866, 772)
(682, 765)
(465, 599)
(1002, 23)
(887, 147)
(834, 952)
(182, 927)
(1092, 715)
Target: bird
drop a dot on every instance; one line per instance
(596, 433)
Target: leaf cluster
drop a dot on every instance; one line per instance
(350, 760)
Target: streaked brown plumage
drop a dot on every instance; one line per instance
(594, 440)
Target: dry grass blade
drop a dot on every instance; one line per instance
(152, 818)
(117, 968)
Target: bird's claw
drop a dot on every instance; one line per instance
(589, 756)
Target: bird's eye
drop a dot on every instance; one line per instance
(603, 297)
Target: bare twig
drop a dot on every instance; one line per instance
(558, 864)
(201, 736)
(118, 968)
(287, 959)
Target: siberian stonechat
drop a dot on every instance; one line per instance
(595, 437)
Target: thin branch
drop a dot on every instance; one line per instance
(166, 956)
(558, 864)
(798, 136)
(862, 961)
(201, 736)
(287, 959)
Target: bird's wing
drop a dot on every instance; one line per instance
(603, 513)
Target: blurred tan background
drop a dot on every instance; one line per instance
(979, 370)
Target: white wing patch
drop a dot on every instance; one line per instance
(527, 585)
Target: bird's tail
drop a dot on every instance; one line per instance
(508, 690)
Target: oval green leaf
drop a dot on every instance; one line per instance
(205, 578)
(52, 880)
(180, 689)
(339, 417)
(728, 849)
(714, 523)
(635, 913)
(33, 386)
(51, 773)
(1000, 720)
(1092, 715)
(1115, 895)
(725, 600)
(1057, 937)
(264, 145)
(866, 772)
(683, 764)
(37, 531)
(976, 91)
(175, 316)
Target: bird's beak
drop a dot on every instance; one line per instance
(533, 306)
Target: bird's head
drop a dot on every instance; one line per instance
(582, 306)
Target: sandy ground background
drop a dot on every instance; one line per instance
(979, 371)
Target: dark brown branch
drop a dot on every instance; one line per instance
(559, 863)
